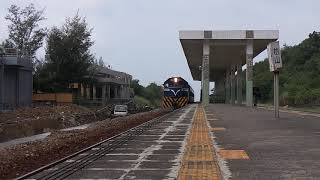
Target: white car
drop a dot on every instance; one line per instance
(120, 110)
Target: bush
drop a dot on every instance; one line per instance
(141, 101)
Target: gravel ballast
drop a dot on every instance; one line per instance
(23, 158)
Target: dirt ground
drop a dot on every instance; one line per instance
(64, 112)
(20, 159)
(30, 121)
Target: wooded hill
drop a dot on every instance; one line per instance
(300, 77)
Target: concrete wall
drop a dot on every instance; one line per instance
(10, 92)
(17, 87)
(25, 87)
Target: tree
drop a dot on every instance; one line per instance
(263, 79)
(137, 88)
(42, 77)
(153, 92)
(299, 77)
(68, 56)
(7, 44)
(24, 31)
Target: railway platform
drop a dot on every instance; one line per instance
(178, 145)
(255, 145)
(216, 142)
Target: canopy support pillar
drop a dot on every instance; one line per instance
(227, 84)
(249, 78)
(239, 84)
(205, 73)
(232, 84)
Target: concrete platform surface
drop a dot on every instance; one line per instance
(258, 146)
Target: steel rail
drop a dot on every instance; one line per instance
(136, 129)
(76, 165)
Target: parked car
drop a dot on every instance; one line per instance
(120, 110)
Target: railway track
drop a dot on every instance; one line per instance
(90, 154)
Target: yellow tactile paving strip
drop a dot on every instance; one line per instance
(218, 129)
(233, 154)
(199, 159)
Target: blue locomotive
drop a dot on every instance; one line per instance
(177, 93)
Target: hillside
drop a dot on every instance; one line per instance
(300, 76)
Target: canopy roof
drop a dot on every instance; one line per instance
(226, 48)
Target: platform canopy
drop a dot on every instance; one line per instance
(226, 48)
(218, 55)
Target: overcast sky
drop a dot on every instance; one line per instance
(140, 37)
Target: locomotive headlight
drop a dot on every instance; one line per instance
(175, 80)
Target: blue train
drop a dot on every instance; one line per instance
(177, 93)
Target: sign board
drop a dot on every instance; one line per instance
(274, 54)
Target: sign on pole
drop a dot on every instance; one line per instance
(275, 62)
(274, 53)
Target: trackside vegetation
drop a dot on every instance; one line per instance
(300, 77)
(147, 96)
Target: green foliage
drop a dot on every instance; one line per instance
(263, 79)
(7, 44)
(24, 31)
(141, 101)
(152, 93)
(299, 78)
(137, 88)
(68, 57)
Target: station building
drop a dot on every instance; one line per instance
(15, 80)
(109, 87)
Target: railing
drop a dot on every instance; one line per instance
(13, 60)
